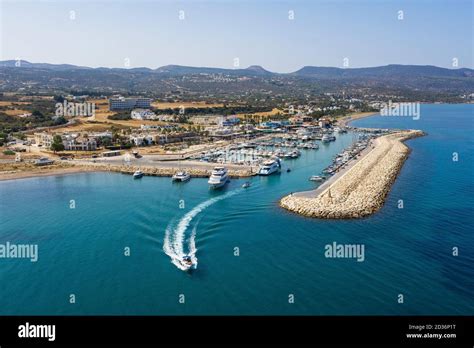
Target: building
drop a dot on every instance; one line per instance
(229, 121)
(141, 140)
(43, 139)
(143, 114)
(205, 120)
(44, 161)
(121, 103)
(71, 141)
(79, 144)
(324, 122)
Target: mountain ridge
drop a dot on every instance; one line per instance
(305, 71)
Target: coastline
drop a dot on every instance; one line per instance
(158, 169)
(17, 175)
(360, 190)
(345, 120)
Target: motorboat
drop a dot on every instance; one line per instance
(187, 262)
(328, 138)
(316, 178)
(218, 178)
(181, 176)
(269, 167)
(246, 184)
(138, 174)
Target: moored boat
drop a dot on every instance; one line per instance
(181, 176)
(138, 174)
(218, 178)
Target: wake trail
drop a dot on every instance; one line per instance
(174, 242)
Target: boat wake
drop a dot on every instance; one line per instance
(175, 236)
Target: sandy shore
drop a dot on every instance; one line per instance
(343, 122)
(360, 190)
(44, 171)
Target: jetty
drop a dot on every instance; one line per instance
(360, 189)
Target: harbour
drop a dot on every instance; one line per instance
(249, 253)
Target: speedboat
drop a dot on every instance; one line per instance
(316, 178)
(181, 176)
(218, 177)
(269, 167)
(187, 262)
(138, 174)
(246, 184)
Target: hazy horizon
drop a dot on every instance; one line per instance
(227, 68)
(125, 34)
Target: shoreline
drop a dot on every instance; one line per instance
(345, 120)
(359, 190)
(153, 170)
(18, 175)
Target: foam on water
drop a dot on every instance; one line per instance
(174, 242)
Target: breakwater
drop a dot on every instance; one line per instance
(361, 190)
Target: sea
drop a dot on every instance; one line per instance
(108, 244)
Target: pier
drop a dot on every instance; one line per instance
(360, 189)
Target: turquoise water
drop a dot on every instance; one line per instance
(407, 251)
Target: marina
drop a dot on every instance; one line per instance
(145, 215)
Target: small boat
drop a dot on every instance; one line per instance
(246, 184)
(181, 176)
(316, 178)
(187, 262)
(138, 174)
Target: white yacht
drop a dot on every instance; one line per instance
(269, 167)
(138, 174)
(181, 176)
(316, 178)
(328, 138)
(218, 177)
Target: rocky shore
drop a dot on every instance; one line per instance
(360, 191)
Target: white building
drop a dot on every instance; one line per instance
(121, 103)
(142, 114)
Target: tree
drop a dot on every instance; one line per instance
(106, 141)
(57, 144)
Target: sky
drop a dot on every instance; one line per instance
(281, 36)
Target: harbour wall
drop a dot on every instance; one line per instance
(362, 190)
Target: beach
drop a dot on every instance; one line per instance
(360, 189)
(345, 120)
